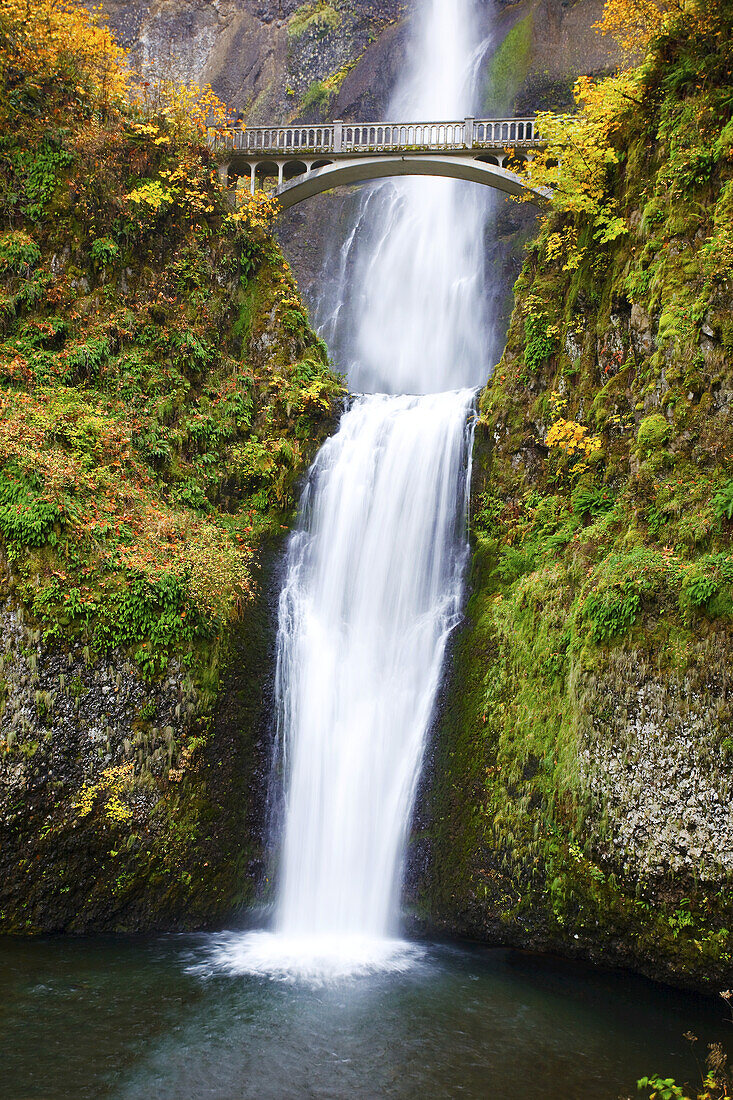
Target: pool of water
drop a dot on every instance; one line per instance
(173, 1018)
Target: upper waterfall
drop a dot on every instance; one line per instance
(415, 308)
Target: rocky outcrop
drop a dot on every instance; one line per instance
(262, 58)
(655, 753)
(127, 804)
(579, 795)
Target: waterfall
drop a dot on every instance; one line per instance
(375, 569)
(373, 589)
(413, 316)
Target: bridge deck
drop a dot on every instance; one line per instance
(367, 139)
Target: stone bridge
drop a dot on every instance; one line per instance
(297, 162)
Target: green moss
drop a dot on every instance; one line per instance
(316, 98)
(508, 68)
(599, 580)
(319, 18)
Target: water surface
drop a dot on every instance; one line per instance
(166, 1018)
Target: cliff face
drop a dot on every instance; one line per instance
(582, 771)
(269, 61)
(161, 396)
(280, 60)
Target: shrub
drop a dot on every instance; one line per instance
(592, 502)
(151, 615)
(319, 18)
(104, 251)
(18, 251)
(26, 518)
(611, 612)
(40, 172)
(540, 342)
(316, 98)
(706, 578)
(620, 584)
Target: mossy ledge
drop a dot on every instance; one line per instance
(580, 790)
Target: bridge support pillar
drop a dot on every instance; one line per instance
(280, 174)
(253, 178)
(224, 173)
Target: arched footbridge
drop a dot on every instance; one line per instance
(301, 161)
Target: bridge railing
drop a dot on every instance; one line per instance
(344, 138)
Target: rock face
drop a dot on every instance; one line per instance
(123, 805)
(261, 58)
(579, 794)
(654, 758)
(75, 730)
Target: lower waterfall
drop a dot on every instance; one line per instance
(373, 588)
(375, 568)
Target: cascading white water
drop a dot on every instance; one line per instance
(374, 572)
(413, 318)
(373, 589)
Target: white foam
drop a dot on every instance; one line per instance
(316, 960)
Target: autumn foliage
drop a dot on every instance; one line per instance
(140, 450)
(50, 48)
(580, 162)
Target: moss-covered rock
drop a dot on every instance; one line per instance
(161, 395)
(580, 796)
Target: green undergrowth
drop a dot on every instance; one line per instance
(161, 396)
(318, 18)
(603, 550)
(147, 438)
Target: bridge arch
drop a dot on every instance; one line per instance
(362, 169)
(294, 168)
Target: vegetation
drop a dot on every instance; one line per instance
(317, 18)
(142, 449)
(715, 1078)
(508, 68)
(161, 394)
